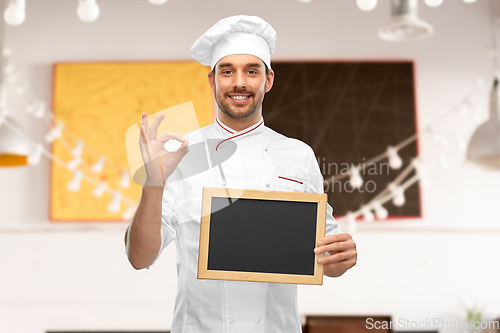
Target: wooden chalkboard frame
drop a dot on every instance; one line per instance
(210, 192)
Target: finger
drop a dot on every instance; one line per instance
(171, 135)
(336, 247)
(153, 131)
(334, 238)
(145, 123)
(183, 150)
(143, 144)
(337, 257)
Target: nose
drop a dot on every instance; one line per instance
(240, 80)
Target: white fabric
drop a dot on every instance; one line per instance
(233, 306)
(239, 34)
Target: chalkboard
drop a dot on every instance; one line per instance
(261, 236)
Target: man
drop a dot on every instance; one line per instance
(238, 49)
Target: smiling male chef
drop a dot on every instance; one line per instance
(238, 49)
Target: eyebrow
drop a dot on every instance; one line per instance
(228, 64)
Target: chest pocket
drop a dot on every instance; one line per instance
(289, 181)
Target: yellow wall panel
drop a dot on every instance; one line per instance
(99, 102)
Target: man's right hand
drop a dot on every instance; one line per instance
(159, 163)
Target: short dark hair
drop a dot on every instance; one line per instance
(267, 70)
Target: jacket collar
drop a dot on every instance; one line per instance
(227, 132)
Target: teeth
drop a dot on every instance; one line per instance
(239, 97)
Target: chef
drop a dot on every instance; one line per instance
(246, 154)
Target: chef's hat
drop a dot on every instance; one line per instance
(240, 34)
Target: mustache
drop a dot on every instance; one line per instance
(243, 92)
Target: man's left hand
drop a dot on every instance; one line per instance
(343, 254)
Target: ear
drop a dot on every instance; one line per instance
(269, 80)
(211, 80)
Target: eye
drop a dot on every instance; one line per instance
(227, 71)
(252, 71)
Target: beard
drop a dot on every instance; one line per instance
(237, 111)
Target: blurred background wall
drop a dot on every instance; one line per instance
(77, 276)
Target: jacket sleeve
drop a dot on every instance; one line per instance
(315, 185)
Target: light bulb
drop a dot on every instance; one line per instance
(351, 222)
(88, 10)
(366, 5)
(8, 69)
(74, 163)
(367, 214)
(398, 196)
(15, 13)
(125, 180)
(380, 211)
(78, 149)
(469, 1)
(74, 183)
(34, 158)
(127, 215)
(157, 2)
(443, 161)
(355, 179)
(99, 190)
(6, 52)
(55, 132)
(433, 3)
(97, 167)
(395, 161)
(39, 111)
(114, 205)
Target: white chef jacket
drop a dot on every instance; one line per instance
(264, 160)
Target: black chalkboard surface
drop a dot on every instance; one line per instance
(261, 236)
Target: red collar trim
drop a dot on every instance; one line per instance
(240, 134)
(223, 126)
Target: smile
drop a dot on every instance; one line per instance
(239, 98)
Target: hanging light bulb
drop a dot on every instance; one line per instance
(355, 177)
(395, 161)
(380, 212)
(20, 90)
(99, 190)
(8, 69)
(74, 163)
(15, 14)
(114, 205)
(74, 183)
(420, 171)
(443, 161)
(484, 145)
(6, 52)
(157, 2)
(398, 197)
(351, 222)
(366, 5)
(78, 149)
(55, 132)
(88, 10)
(367, 214)
(127, 215)
(40, 110)
(125, 180)
(97, 167)
(13, 150)
(34, 158)
(433, 3)
(405, 24)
